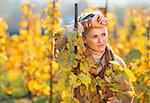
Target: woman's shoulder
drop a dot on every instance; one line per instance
(120, 61)
(116, 57)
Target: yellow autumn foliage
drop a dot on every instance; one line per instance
(29, 53)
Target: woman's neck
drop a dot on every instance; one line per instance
(94, 53)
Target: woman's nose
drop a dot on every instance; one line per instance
(99, 39)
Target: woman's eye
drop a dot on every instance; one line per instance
(103, 34)
(94, 36)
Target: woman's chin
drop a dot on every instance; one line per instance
(101, 49)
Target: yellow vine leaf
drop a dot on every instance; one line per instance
(130, 74)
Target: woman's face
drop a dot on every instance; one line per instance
(96, 39)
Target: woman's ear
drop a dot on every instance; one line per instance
(84, 40)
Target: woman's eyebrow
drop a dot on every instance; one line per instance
(94, 34)
(98, 33)
(103, 33)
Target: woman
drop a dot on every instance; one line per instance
(95, 35)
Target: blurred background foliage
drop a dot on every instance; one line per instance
(25, 49)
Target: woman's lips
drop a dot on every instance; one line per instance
(102, 45)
